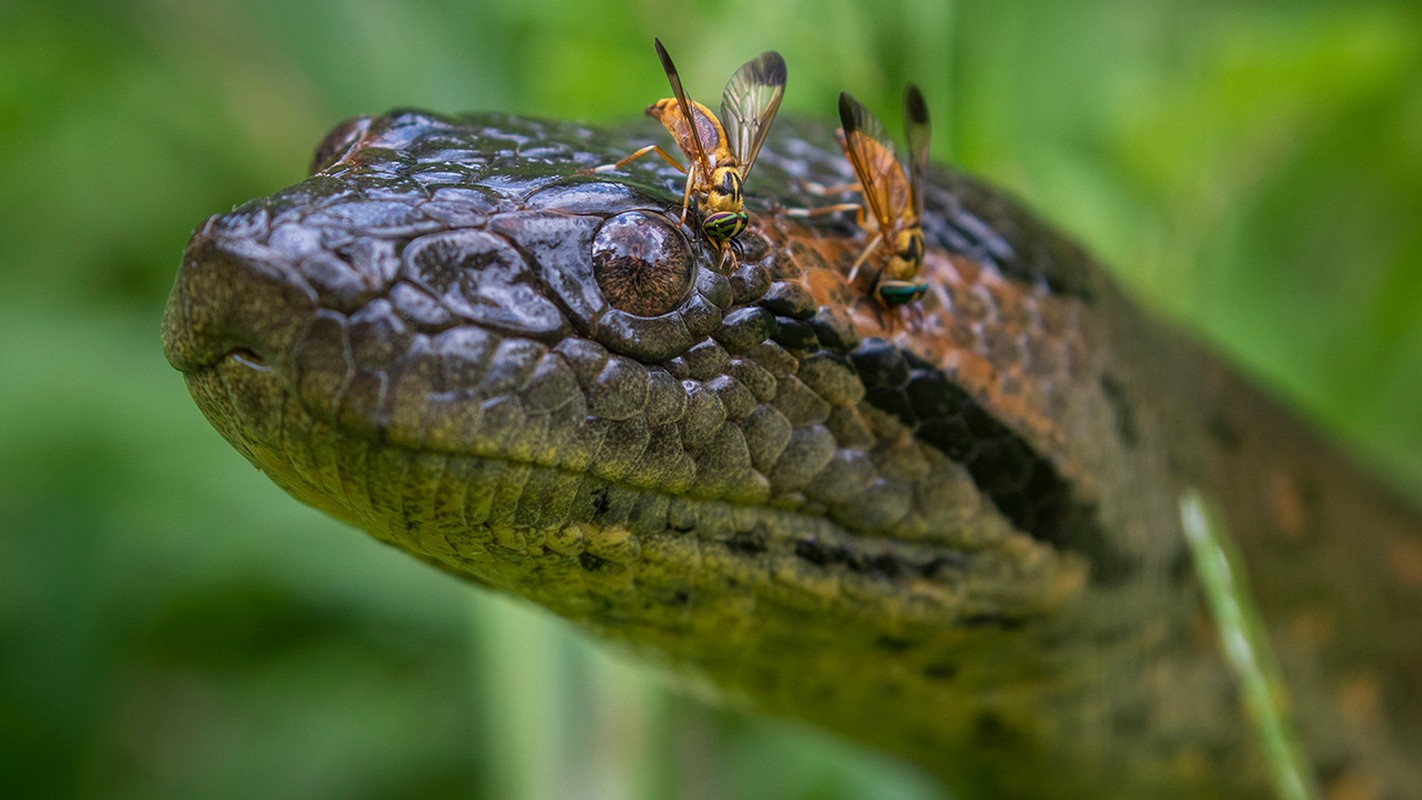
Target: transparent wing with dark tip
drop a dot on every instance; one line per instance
(917, 130)
(749, 104)
(872, 156)
(688, 111)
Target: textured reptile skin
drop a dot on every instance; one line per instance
(949, 530)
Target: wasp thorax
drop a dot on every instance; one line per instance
(642, 263)
(725, 193)
(908, 254)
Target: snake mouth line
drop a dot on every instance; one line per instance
(944, 582)
(248, 358)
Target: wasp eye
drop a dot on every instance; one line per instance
(642, 264)
(723, 225)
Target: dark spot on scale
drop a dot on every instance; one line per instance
(991, 621)
(952, 561)
(940, 672)
(894, 644)
(679, 598)
(600, 501)
(1121, 406)
(749, 542)
(882, 565)
(818, 554)
(885, 566)
(590, 562)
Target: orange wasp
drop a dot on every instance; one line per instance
(895, 199)
(720, 159)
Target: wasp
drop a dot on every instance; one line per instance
(894, 198)
(720, 158)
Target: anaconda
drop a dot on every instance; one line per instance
(949, 530)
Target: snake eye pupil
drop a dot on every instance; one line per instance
(642, 264)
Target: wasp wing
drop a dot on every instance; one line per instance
(688, 112)
(872, 155)
(917, 130)
(749, 104)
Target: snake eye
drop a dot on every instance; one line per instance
(339, 142)
(643, 265)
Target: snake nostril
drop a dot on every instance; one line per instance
(249, 358)
(235, 298)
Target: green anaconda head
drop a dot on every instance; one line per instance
(455, 339)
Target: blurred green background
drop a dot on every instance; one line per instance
(172, 625)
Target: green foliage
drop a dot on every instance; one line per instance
(172, 625)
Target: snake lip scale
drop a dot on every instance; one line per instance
(949, 530)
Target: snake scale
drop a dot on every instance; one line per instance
(949, 530)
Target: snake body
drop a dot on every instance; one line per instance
(949, 530)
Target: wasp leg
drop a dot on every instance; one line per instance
(873, 245)
(822, 210)
(721, 262)
(636, 154)
(686, 196)
(823, 190)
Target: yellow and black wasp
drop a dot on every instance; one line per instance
(894, 199)
(720, 157)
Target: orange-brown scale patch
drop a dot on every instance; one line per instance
(1016, 349)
